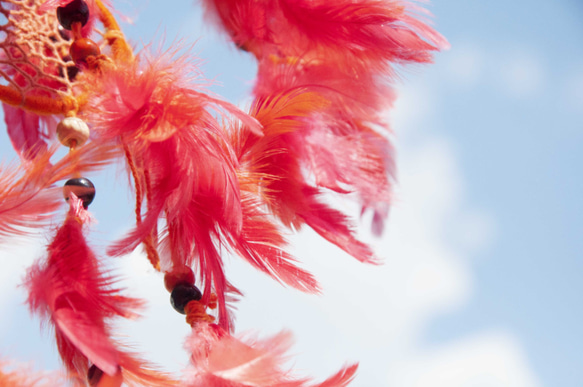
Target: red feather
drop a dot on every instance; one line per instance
(343, 31)
(70, 290)
(221, 360)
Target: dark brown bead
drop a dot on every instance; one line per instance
(75, 11)
(82, 188)
(81, 49)
(182, 294)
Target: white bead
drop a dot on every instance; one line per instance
(72, 132)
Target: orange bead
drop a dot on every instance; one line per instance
(81, 49)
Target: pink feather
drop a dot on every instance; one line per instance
(221, 360)
(277, 159)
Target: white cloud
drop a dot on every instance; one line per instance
(491, 359)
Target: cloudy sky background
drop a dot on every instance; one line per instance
(481, 284)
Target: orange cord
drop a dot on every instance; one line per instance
(151, 251)
(196, 311)
(120, 48)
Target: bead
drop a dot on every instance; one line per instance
(94, 375)
(82, 188)
(72, 132)
(182, 294)
(180, 275)
(81, 49)
(75, 11)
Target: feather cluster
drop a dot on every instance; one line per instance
(344, 51)
(184, 159)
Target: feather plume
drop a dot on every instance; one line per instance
(155, 111)
(70, 290)
(341, 144)
(342, 32)
(277, 157)
(221, 360)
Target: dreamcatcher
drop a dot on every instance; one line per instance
(207, 176)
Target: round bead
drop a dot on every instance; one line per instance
(75, 11)
(72, 132)
(178, 275)
(182, 294)
(81, 49)
(94, 375)
(82, 188)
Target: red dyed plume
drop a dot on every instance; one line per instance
(70, 290)
(221, 360)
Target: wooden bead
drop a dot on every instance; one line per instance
(72, 132)
(83, 48)
(82, 188)
(75, 11)
(178, 275)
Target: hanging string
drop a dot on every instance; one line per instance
(151, 251)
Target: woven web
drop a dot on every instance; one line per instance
(34, 51)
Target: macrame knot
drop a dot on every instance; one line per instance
(196, 311)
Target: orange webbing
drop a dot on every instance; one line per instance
(196, 311)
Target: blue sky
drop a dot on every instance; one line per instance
(484, 250)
